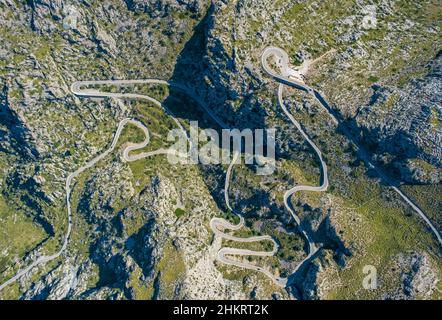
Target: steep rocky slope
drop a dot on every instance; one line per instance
(408, 138)
(380, 72)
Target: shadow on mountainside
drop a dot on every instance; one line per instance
(205, 67)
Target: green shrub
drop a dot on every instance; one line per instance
(179, 212)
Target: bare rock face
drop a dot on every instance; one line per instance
(14, 132)
(62, 282)
(403, 126)
(162, 8)
(128, 240)
(419, 279)
(106, 191)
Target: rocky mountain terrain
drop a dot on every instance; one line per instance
(408, 140)
(141, 229)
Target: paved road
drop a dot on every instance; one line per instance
(76, 89)
(218, 224)
(284, 78)
(69, 179)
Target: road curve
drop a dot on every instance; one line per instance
(284, 78)
(76, 89)
(218, 224)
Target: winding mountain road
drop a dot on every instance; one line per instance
(284, 78)
(72, 176)
(216, 224)
(76, 89)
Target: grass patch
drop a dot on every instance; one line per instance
(179, 212)
(18, 234)
(373, 79)
(171, 270)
